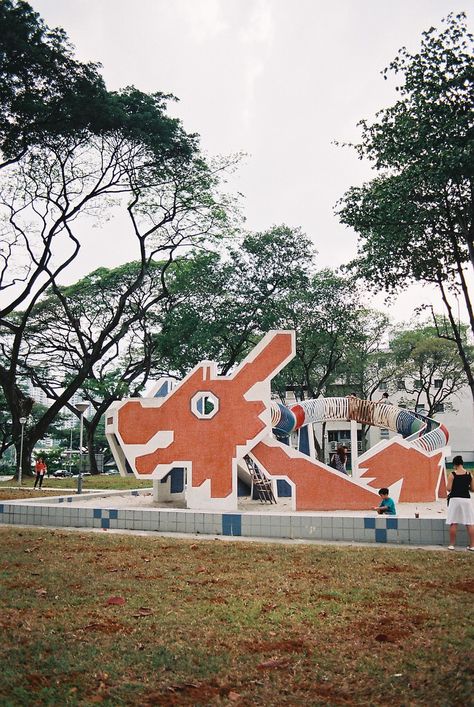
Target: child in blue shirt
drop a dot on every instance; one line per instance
(387, 505)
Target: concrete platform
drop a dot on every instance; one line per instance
(145, 500)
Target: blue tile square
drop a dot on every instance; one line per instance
(113, 514)
(392, 523)
(369, 523)
(231, 524)
(380, 535)
(105, 523)
(97, 512)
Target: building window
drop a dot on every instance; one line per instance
(417, 384)
(438, 383)
(339, 436)
(420, 408)
(439, 407)
(383, 386)
(384, 433)
(400, 384)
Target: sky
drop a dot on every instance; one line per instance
(279, 80)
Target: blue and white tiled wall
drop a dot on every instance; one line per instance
(64, 513)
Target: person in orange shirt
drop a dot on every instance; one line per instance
(40, 470)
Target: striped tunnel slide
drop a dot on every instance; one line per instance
(423, 432)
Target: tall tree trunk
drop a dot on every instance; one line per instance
(458, 339)
(90, 432)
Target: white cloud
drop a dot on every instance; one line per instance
(204, 19)
(257, 36)
(260, 27)
(278, 79)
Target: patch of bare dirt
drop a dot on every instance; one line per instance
(466, 586)
(273, 647)
(109, 627)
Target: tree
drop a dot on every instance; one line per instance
(59, 178)
(324, 315)
(370, 362)
(59, 340)
(46, 93)
(221, 305)
(8, 443)
(415, 219)
(432, 369)
(6, 429)
(43, 89)
(219, 308)
(184, 196)
(56, 348)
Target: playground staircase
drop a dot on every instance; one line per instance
(260, 483)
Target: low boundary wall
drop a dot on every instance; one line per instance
(62, 512)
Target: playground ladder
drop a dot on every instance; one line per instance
(260, 482)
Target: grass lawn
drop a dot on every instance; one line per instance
(100, 481)
(115, 619)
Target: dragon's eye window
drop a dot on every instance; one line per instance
(204, 405)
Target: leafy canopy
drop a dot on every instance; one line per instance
(45, 92)
(415, 218)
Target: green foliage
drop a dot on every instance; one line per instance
(64, 326)
(325, 315)
(221, 305)
(141, 117)
(430, 125)
(369, 361)
(431, 366)
(45, 91)
(61, 333)
(415, 219)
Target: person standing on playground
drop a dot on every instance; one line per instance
(460, 510)
(339, 459)
(40, 470)
(384, 399)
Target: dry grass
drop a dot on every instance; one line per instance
(17, 494)
(69, 484)
(122, 620)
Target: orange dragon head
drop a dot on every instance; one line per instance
(205, 424)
